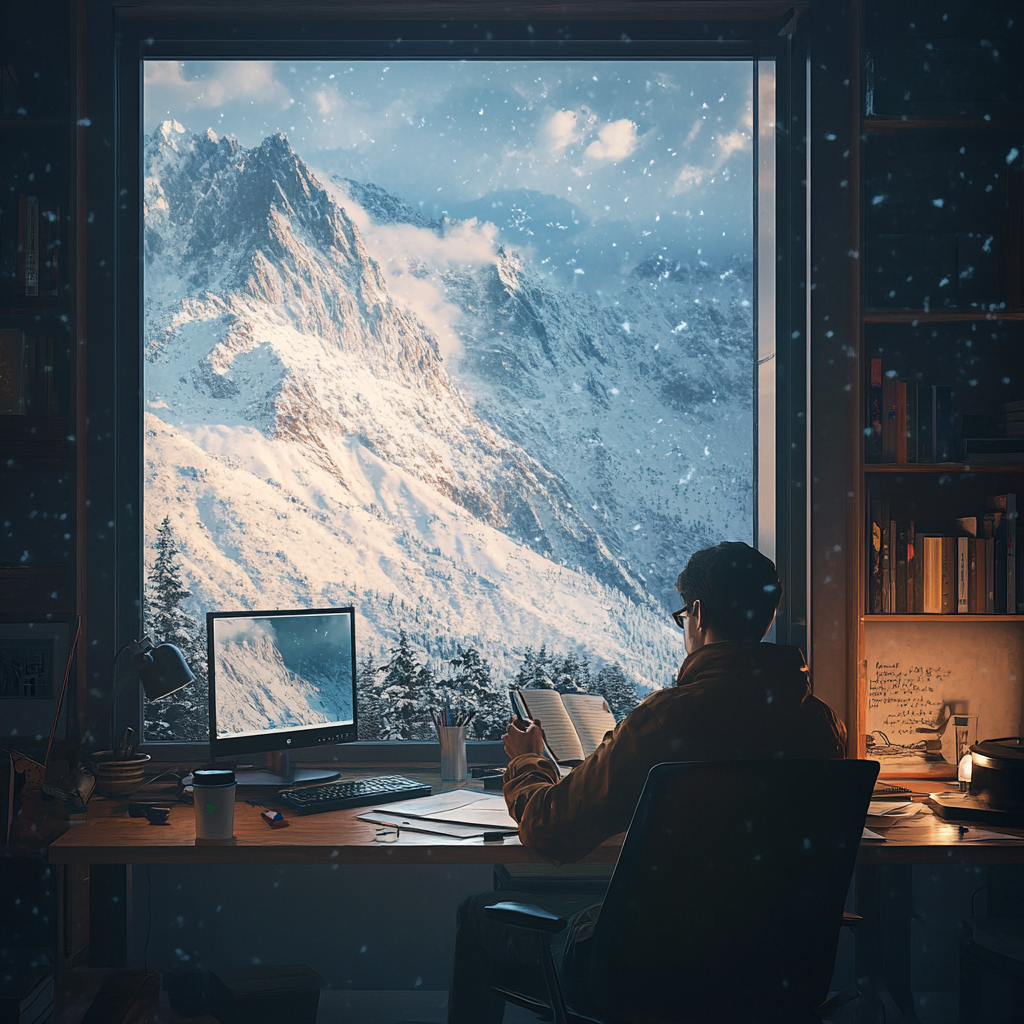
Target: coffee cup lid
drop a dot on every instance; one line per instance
(213, 777)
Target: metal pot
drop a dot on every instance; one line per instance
(997, 774)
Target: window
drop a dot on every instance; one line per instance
(475, 345)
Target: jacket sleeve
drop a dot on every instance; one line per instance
(564, 819)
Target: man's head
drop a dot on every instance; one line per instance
(735, 591)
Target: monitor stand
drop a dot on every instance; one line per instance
(279, 772)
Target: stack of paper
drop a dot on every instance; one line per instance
(461, 814)
(884, 813)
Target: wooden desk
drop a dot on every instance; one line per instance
(109, 841)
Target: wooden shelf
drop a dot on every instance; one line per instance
(942, 618)
(945, 467)
(938, 316)
(893, 125)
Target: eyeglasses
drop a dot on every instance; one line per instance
(679, 617)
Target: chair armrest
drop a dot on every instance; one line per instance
(851, 920)
(525, 915)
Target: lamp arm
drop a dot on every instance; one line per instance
(138, 648)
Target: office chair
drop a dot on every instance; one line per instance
(727, 898)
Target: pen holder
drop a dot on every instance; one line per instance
(453, 752)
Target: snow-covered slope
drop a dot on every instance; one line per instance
(539, 483)
(256, 691)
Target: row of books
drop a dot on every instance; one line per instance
(908, 421)
(31, 263)
(974, 570)
(27, 383)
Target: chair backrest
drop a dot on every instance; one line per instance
(728, 894)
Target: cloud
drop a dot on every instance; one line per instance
(615, 141)
(689, 177)
(560, 130)
(225, 81)
(734, 142)
(404, 251)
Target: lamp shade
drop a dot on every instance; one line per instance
(164, 671)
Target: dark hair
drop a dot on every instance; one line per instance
(738, 589)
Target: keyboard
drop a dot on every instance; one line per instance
(335, 796)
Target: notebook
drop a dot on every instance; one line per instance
(574, 723)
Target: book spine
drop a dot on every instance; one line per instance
(932, 576)
(19, 276)
(913, 607)
(31, 247)
(974, 591)
(893, 565)
(12, 372)
(901, 571)
(913, 412)
(990, 576)
(875, 557)
(949, 583)
(962, 576)
(924, 424)
(874, 431)
(888, 419)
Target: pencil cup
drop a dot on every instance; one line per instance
(453, 752)
(213, 793)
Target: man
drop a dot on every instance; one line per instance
(734, 697)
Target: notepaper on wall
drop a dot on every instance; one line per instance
(915, 671)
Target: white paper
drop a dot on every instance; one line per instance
(866, 833)
(452, 830)
(464, 807)
(591, 717)
(879, 807)
(979, 835)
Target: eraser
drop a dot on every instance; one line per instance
(494, 837)
(275, 819)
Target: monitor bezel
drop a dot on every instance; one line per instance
(282, 739)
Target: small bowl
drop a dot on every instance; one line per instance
(118, 778)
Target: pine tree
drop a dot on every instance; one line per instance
(570, 674)
(535, 671)
(399, 708)
(368, 699)
(185, 714)
(476, 689)
(619, 691)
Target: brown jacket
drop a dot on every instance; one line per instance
(731, 700)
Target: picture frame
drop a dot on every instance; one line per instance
(33, 656)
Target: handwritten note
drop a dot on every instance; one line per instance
(911, 669)
(901, 697)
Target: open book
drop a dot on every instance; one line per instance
(574, 724)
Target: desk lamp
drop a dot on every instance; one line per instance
(161, 668)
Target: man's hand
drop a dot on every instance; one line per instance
(523, 738)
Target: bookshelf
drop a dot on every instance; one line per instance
(941, 319)
(39, 324)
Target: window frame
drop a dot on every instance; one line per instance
(779, 370)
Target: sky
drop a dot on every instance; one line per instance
(623, 159)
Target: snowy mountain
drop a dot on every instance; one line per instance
(540, 477)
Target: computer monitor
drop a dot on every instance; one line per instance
(279, 681)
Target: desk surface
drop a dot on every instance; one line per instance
(109, 836)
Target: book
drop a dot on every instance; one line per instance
(31, 253)
(889, 417)
(874, 427)
(574, 723)
(884, 560)
(990, 576)
(901, 570)
(962, 576)
(938, 582)
(912, 604)
(12, 372)
(875, 556)
(901, 422)
(1003, 509)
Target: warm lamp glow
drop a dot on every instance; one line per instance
(963, 772)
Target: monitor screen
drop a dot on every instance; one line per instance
(281, 679)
